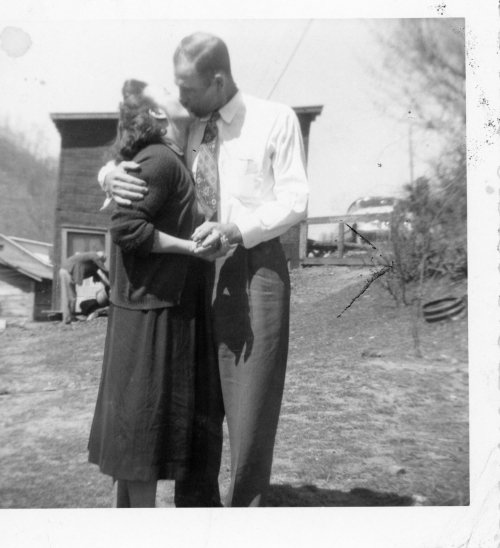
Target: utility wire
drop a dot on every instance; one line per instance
(291, 57)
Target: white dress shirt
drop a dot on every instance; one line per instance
(263, 184)
(262, 173)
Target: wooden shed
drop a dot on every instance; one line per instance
(80, 225)
(292, 238)
(25, 278)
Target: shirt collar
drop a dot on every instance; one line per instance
(174, 147)
(228, 111)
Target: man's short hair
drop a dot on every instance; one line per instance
(208, 53)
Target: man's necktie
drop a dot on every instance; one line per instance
(207, 173)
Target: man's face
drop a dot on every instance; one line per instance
(198, 97)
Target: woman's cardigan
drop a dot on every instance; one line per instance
(141, 279)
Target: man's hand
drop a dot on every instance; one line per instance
(208, 233)
(213, 241)
(123, 187)
(213, 246)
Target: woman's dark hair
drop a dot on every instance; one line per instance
(136, 127)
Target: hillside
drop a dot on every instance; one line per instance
(28, 187)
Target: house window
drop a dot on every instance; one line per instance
(82, 240)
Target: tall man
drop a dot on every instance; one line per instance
(248, 162)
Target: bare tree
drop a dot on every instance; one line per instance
(421, 81)
(28, 182)
(422, 72)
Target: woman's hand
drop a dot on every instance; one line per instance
(210, 233)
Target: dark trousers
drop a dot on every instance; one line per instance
(250, 315)
(200, 488)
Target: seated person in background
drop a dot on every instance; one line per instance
(73, 271)
(92, 308)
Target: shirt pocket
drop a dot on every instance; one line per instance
(248, 187)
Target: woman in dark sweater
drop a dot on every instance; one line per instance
(143, 422)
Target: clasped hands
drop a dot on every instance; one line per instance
(214, 239)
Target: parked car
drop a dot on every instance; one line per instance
(376, 229)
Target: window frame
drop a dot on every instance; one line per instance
(83, 230)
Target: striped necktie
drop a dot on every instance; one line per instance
(207, 173)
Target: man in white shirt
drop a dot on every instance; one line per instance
(261, 190)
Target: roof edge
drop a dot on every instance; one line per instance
(67, 116)
(21, 270)
(27, 251)
(17, 239)
(316, 109)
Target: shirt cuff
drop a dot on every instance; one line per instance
(107, 201)
(251, 230)
(108, 168)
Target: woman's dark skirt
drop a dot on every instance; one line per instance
(142, 427)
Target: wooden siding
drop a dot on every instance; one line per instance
(79, 200)
(291, 239)
(43, 296)
(79, 197)
(16, 294)
(305, 126)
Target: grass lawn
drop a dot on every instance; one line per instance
(364, 422)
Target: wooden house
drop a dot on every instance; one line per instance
(80, 225)
(291, 240)
(25, 278)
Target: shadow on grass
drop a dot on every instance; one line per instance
(310, 495)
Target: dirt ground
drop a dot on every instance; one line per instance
(364, 422)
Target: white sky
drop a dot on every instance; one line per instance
(79, 66)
